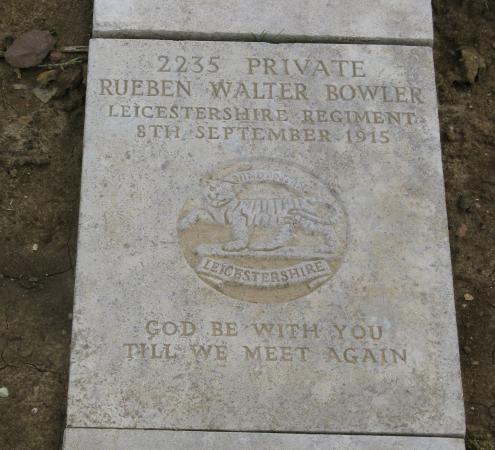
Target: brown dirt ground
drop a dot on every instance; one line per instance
(40, 162)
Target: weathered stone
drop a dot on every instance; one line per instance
(380, 21)
(473, 64)
(30, 49)
(45, 95)
(266, 254)
(90, 439)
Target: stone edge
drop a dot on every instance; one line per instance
(174, 437)
(116, 30)
(108, 33)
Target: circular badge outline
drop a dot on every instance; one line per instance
(218, 167)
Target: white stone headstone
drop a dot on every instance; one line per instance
(263, 244)
(380, 21)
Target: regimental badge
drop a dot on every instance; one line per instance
(265, 231)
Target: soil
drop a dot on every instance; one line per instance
(40, 163)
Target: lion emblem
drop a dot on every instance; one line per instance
(263, 227)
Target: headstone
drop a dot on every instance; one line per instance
(263, 246)
(380, 21)
(86, 439)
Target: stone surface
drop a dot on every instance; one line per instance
(276, 260)
(87, 439)
(381, 21)
(30, 49)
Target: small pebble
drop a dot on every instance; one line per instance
(468, 297)
(461, 230)
(35, 247)
(450, 133)
(46, 77)
(4, 392)
(44, 95)
(472, 64)
(464, 203)
(34, 411)
(56, 57)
